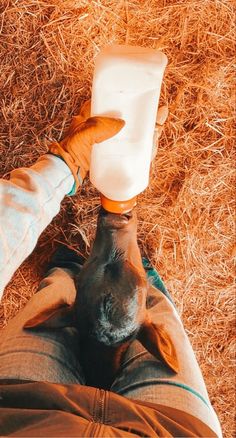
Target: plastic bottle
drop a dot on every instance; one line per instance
(126, 84)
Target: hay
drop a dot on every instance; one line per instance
(186, 216)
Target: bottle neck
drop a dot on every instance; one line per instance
(118, 207)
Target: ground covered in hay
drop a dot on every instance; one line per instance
(186, 216)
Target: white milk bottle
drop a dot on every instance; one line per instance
(126, 84)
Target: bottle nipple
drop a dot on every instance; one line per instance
(118, 207)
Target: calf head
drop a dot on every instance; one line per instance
(111, 291)
(110, 304)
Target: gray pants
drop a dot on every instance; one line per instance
(51, 355)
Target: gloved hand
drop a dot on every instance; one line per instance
(84, 131)
(162, 115)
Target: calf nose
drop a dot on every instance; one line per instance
(113, 220)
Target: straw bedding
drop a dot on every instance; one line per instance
(186, 216)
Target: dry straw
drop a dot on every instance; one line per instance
(186, 216)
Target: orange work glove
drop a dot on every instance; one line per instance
(84, 131)
(162, 115)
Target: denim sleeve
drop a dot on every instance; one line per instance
(28, 203)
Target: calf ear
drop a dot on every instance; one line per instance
(157, 341)
(52, 317)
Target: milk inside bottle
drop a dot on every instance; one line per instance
(126, 84)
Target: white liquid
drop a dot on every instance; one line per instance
(126, 84)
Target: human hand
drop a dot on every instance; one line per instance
(75, 149)
(162, 115)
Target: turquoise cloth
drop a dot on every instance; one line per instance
(154, 278)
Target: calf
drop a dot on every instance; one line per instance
(110, 311)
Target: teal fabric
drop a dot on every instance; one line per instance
(153, 276)
(183, 386)
(155, 279)
(73, 191)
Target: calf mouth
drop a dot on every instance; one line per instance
(114, 220)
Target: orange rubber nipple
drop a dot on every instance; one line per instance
(118, 207)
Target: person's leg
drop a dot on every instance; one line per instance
(142, 377)
(42, 354)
